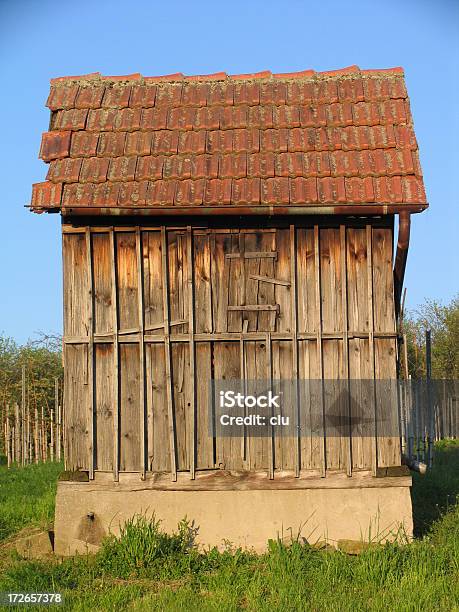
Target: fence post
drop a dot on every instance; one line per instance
(429, 396)
(23, 419)
(51, 443)
(8, 436)
(35, 435)
(43, 435)
(17, 435)
(59, 432)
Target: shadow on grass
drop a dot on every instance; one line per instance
(437, 491)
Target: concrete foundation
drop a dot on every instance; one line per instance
(87, 511)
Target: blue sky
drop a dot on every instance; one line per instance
(40, 39)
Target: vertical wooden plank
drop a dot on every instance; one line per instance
(243, 375)
(102, 283)
(226, 365)
(236, 287)
(359, 363)
(371, 341)
(191, 327)
(168, 356)
(77, 424)
(318, 309)
(104, 409)
(75, 285)
(76, 307)
(127, 273)
(158, 420)
(252, 242)
(269, 376)
(294, 322)
(267, 291)
(128, 316)
(389, 450)
(178, 310)
(130, 409)
(205, 441)
(202, 283)
(221, 244)
(343, 249)
(115, 326)
(282, 272)
(153, 299)
(332, 355)
(178, 287)
(308, 360)
(92, 442)
(140, 300)
(257, 446)
(104, 406)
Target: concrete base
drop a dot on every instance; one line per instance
(86, 512)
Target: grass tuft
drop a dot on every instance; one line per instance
(142, 550)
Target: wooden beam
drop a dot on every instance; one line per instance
(90, 355)
(256, 307)
(269, 375)
(343, 255)
(294, 328)
(161, 325)
(242, 270)
(320, 360)
(107, 338)
(267, 279)
(140, 300)
(224, 480)
(253, 255)
(168, 356)
(243, 372)
(116, 395)
(190, 279)
(371, 341)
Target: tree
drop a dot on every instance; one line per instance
(43, 363)
(443, 321)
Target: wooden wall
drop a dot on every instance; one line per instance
(152, 313)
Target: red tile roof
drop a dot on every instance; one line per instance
(249, 142)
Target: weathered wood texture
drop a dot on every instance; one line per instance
(153, 313)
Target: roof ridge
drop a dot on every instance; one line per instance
(267, 75)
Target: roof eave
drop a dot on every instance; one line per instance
(255, 209)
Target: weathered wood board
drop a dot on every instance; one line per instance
(152, 314)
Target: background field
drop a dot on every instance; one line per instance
(147, 570)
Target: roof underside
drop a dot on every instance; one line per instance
(327, 142)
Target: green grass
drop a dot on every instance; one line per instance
(148, 570)
(27, 496)
(436, 492)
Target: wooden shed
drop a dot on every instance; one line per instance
(229, 227)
